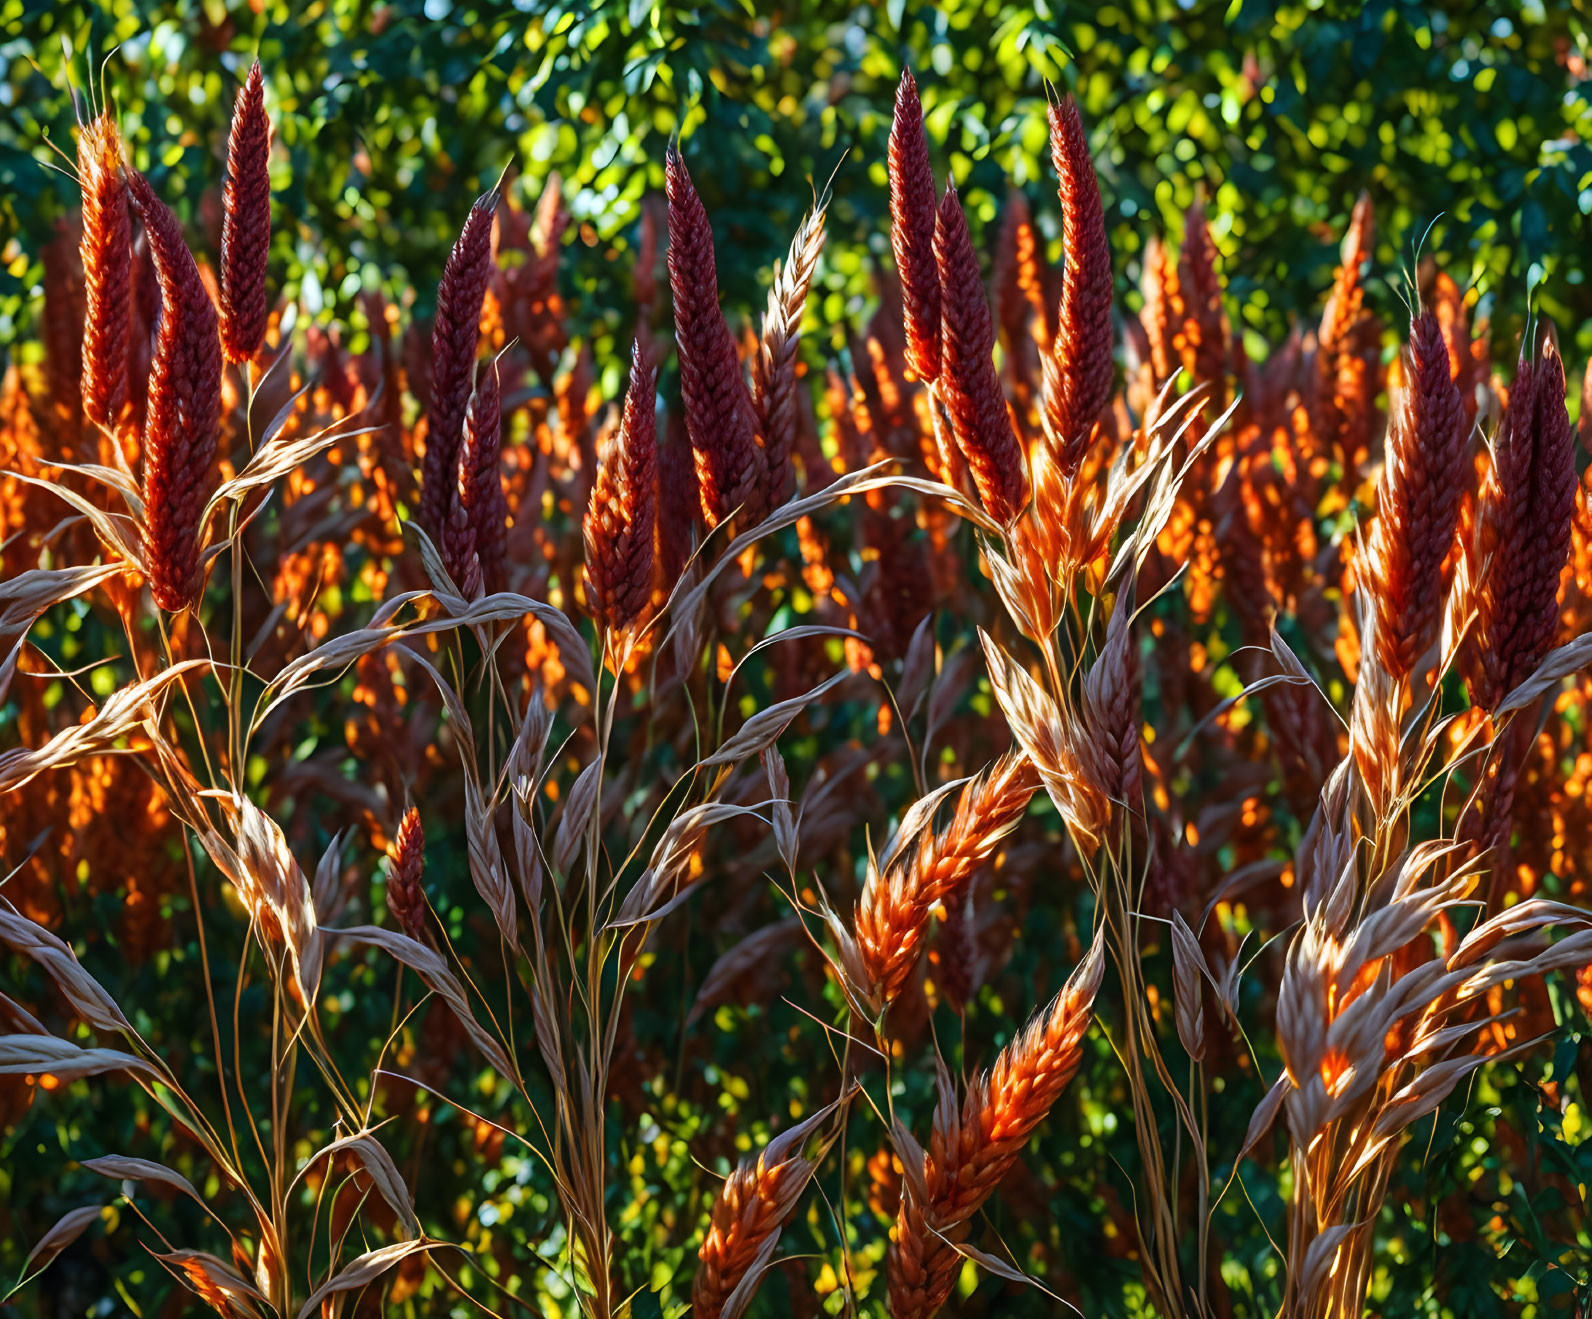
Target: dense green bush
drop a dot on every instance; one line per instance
(1282, 113)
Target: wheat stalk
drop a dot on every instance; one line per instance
(974, 1145)
(246, 223)
(912, 226)
(184, 410)
(892, 917)
(730, 465)
(620, 521)
(774, 367)
(1078, 367)
(453, 348)
(967, 379)
(107, 251)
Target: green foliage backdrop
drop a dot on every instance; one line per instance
(391, 115)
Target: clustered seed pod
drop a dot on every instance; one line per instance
(1417, 503)
(107, 250)
(974, 1147)
(677, 501)
(1078, 369)
(1200, 333)
(730, 466)
(912, 224)
(62, 326)
(968, 380)
(406, 856)
(1158, 287)
(1019, 281)
(1525, 523)
(1343, 400)
(246, 223)
(454, 337)
(473, 539)
(183, 419)
(620, 520)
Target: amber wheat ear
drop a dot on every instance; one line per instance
(473, 542)
(774, 368)
(1525, 522)
(1158, 287)
(1342, 386)
(893, 915)
(1111, 708)
(973, 1147)
(677, 503)
(1200, 334)
(246, 223)
(748, 1214)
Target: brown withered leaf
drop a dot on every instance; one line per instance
(123, 712)
(686, 599)
(1265, 1114)
(278, 455)
(764, 727)
(276, 892)
(755, 955)
(666, 882)
(27, 596)
(1556, 665)
(335, 655)
(575, 823)
(125, 1168)
(1188, 972)
(67, 1229)
(383, 1172)
(86, 995)
(1319, 1256)
(487, 870)
(779, 796)
(918, 667)
(431, 969)
(213, 1279)
(116, 531)
(46, 1055)
(362, 1271)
